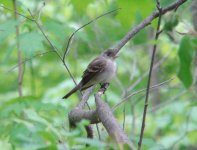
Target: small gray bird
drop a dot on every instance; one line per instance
(101, 70)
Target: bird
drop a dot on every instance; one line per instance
(99, 71)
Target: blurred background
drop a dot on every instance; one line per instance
(36, 117)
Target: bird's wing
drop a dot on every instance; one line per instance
(95, 67)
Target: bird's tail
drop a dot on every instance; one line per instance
(72, 91)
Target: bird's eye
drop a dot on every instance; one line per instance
(108, 54)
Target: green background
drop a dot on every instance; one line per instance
(38, 120)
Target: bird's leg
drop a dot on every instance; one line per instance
(104, 87)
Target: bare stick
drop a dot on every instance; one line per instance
(42, 31)
(109, 121)
(53, 47)
(19, 53)
(149, 76)
(146, 22)
(72, 35)
(125, 99)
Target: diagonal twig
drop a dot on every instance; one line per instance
(139, 91)
(91, 21)
(52, 46)
(29, 59)
(145, 23)
(17, 13)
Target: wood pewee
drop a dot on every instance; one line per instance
(101, 70)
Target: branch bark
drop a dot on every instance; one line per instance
(150, 75)
(145, 23)
(110, 123)
(102, 114)
(77, 114)
(20, 67)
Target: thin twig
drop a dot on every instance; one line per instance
(72, 35)
(42, 31)
(19, 53)
(52, 46)
(29, 59)
(149, 76)
(140, 91)
(139, 80)
(16, 12)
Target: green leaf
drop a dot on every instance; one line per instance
(7, 28)
(30, 42)
(185, 55)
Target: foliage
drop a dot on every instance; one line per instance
(38, 120)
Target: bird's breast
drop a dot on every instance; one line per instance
(109, 72)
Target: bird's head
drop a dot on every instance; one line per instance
(110, 53)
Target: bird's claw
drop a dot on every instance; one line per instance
(104, 87)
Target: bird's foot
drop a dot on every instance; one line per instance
(104, 87)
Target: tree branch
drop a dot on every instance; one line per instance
(29, 59)
(19, 53)
(146, 22)
(77, 114)
(139, 80)
(149, 76)
(16, 12)
(125, 99)
(109, 122)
